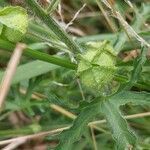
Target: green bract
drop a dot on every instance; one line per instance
(13, 23)
(97, 65)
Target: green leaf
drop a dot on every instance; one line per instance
(14, 21)
(74, 133)
(136, 98)
(123, 136)
(138, 64)
(141, 15)
(54, 99)
(30, 70)
(137, 70)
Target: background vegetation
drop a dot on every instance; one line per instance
(47, 105)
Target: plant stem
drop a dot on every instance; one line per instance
(41, 31)
(139, 84)
(51, 59)
(49, 21)
(39, 55)
(10, 72)
(6, 45)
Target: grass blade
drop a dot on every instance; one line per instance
(30, 70)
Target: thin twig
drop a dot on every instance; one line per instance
(126, 26)
(63, 111)
(10, 71)
(14, 144)
(60, 12)
(140, 115)
(75, 16)
(105, 14)
(37, 135)
(57, 108)
(93, 137)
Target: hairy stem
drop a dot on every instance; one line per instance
(50, 22)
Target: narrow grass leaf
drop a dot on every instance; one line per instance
(30, 70)
(138, 64)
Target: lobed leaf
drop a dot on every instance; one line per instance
(73, 134)
(122, 134)
(136, 98)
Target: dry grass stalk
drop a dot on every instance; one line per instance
(14, 144)
(126, 26)
(106, 16)
(10, 71)
(75, 16)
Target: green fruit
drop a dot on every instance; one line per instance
(13, 23)
(96, 66)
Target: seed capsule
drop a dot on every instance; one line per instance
(96, 66)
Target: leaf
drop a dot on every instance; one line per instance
(139, 20)
(14, 21)
(123, 136)
(21, 104)
(141, 15)
(74, 133)
(136, 72)
(54, 99)
(30, 70)
(136, 98)
(138, 65)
